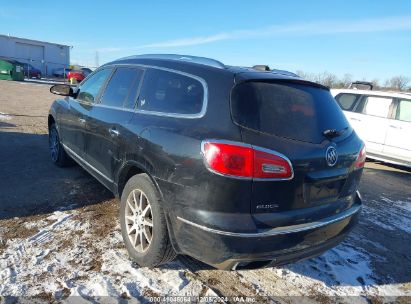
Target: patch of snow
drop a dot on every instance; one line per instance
(406, 205)
(31, 225)
(389, 226)
(386, 199)
(342, 268)
(396, 215)
(46, 234)
(344, 271)
(34, 265)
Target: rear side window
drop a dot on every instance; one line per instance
(119, 89)
(290, 110)
(377, 106)
(169, 92)
(404, 110)
(347, 101)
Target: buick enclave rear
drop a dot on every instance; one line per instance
(233, 166)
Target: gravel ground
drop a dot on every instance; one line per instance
(60, 237)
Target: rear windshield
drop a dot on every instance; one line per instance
(290, 110)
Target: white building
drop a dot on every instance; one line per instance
(45, 56)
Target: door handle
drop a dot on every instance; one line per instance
(113, 132)
(395, 127)
(355, 119)
(82, 120)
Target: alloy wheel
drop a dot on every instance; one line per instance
(54, 144)
(139, 220)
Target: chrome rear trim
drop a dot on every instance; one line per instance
(281, 230)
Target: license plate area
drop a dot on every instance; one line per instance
(324, 191)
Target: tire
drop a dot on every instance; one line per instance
(152, 247)
(57, 153)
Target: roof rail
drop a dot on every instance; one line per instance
(176, 57)
(363, 83)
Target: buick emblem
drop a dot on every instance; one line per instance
(331, 156)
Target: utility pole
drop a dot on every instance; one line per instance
(96, 60)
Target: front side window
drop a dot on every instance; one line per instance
(404, 110)
(89, 90)
(377, 106)
(169, 92)
(122, 87)
(347, 101)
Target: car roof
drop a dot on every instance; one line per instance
(203, 63)
(371, 92)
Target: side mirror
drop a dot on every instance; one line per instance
(62, 89)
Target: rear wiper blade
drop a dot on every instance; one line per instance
(331, 133)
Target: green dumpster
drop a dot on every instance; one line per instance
(10, 70)
(18, 72)
(5, 70)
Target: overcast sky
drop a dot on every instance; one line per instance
(368, 39)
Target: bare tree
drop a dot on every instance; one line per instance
(387, 84)
(376, 83)
(399, 82)
(330, 80)
(307, 76)
(327, 79)
(301, 73)
(343, 82)
(347, 80)
(324, 78)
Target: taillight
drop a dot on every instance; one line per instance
(229, 159)
(360, 161)
(245, 161)
(269, 165)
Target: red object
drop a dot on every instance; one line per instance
(78, 75)
(360, 161)
(35, 74)
(245, 161)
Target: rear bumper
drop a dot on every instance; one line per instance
(231, 250)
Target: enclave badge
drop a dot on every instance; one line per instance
(267, 206)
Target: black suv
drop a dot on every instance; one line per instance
(237, 167)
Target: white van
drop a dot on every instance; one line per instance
(382, 120)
